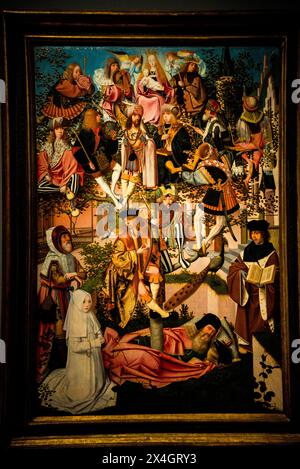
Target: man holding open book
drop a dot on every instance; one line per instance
(253, 283)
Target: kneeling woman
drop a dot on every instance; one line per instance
(82, 386)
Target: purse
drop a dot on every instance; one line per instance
(47, 309)
(132, 156)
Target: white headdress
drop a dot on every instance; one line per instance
(76, 323)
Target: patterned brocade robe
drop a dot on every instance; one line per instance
(125, 277)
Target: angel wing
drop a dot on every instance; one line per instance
(100, 80)
(185, 53)
(121, 55)
(193, 56)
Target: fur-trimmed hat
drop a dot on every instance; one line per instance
(208, 318)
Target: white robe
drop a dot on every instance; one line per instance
(83, 385)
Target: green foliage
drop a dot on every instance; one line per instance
(58, 204)
(50, 64)
(212, 60)
(243, 66)
(96, 259)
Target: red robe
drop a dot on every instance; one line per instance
(67, 104)
(127, 361)
(249, 316)
(62, 171)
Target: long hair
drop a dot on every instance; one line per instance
(129, 122)
(68, 73)
(161, 123)
(109, 62)
(161, 75)
(185, 67)
(89, 119)
(51, 137)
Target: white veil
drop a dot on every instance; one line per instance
(76, 323)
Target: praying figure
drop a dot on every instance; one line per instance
(83, 386)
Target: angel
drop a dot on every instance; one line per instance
(173, 64)
(65, 97)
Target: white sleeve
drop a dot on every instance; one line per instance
(243, 131)
(79, 345)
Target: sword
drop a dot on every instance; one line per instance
(226, 215)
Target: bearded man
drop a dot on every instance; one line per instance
(190, 90)
(60, 272)
(187, 352)
(138, 156)
(116, 86)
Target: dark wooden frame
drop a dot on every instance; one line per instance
(20, 31)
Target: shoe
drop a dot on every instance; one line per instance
(190, 166)
(203, 247)
(171, 168)
(152, 305)
(154, 314)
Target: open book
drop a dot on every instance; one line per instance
(257, 274)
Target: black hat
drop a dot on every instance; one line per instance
(258, 225)
(208, 318)
(131, 212)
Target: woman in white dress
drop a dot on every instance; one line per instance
(83, 385)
